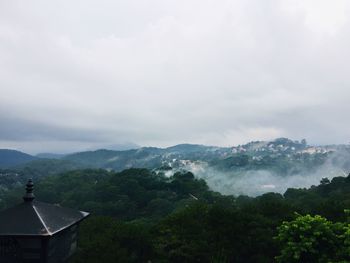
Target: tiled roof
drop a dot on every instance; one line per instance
(37, 219)
(33, 218)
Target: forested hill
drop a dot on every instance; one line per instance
(253, 154)
(9, 158)
(282, 156)
(140, 216)
(180, 155)
(130, 194)
(147, 157)
(252, 169)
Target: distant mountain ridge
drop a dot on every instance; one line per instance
(264, 164)
(146, 157)
(174, 156)
(50, 155)
(9, 158)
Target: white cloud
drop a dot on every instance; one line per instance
(164, 72)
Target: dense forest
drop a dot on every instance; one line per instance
(142, 216)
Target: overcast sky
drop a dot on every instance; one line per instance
(78, 75)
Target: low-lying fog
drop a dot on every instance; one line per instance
(257, 182)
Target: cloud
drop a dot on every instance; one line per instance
(161, 72)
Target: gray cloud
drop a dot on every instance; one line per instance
(160, 72)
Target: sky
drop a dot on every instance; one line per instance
(83, 74)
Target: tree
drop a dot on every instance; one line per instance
(104, 239)
(303, 142)
(324, 181)
(313, 239)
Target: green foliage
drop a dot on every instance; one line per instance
(104, 239)
(127, 195)
(150, 217)
(215, 228)
(313, 239)
(210, 233)
(46, 167)
(328, 200)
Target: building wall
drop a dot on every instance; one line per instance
(56, 249)
(21, 249)
(62, 245)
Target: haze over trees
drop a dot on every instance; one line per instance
(252, 169)
(141, 215)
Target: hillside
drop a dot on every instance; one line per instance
(10, 158)
(146, 157)
(50, 155)
(252, 169)
(177, 156)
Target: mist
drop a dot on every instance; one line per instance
(258, 182)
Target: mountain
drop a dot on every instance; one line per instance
(253, 168)
(117, 160)
(10, 158)
(44, 167)
(147, 157)
(180, 155)
(122, 146)
(50, 155)
(115, 146)
(190, 148)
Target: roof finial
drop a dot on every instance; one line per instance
(29, 196)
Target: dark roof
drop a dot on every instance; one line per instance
(33, 218)
(38, 219)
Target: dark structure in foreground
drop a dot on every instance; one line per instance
(36, 232)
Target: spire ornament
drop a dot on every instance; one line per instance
(29, 196)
